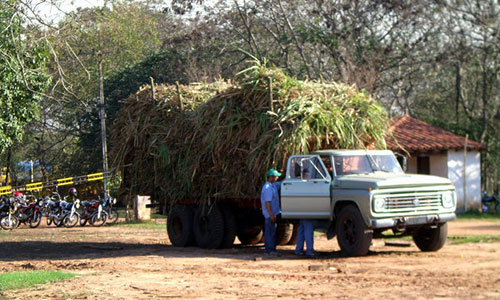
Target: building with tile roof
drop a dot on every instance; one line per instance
(435, 151)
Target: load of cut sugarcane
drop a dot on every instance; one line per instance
(211, 141)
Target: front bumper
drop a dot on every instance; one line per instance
(412, 221)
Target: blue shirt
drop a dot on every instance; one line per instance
(269, 193)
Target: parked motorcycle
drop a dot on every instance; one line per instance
(8, 209)
(53, 209)
(92, 213)
(70, 216)
(29, 212)
(109, 210)
(490, 203)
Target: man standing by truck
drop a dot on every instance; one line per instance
(269, 199)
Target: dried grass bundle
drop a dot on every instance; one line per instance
(227, 136)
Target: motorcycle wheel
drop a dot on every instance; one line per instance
(49, 221)
(59, 223)
(113, 216)
(69, 221)
(9, 224)
(35, 220)
(96, 221)
(83, 221)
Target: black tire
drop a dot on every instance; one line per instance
(71, 222)
(96, 221)
(58, 223)
(36, 219)
(431, 239)
(9, 224)
(113, 216)
(293, 239)
(83, 222)
(208, 227)
(229, 228)
(284, 233)
(251, 236)
(353, 236)
(180, 226)
(49, 221)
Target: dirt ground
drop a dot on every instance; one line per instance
(116, 262)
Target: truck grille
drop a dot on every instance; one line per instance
(420, 201)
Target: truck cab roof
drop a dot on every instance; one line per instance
(347, 152)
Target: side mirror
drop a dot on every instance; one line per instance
(402, 161)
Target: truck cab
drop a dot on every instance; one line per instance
(359, 194)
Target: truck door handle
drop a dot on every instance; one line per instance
(285, 183)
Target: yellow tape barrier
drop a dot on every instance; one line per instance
(37, 186)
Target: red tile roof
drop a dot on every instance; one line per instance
(415, 135)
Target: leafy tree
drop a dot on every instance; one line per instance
(23, 78)
(119, 35)
(22, 75)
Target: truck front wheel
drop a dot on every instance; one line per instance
(353, 236)
(431, 239)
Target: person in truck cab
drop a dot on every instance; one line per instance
(269, 200)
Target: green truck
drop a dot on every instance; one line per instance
(357, 195)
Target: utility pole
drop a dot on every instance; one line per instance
(102, 116)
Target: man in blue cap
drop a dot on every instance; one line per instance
(269, 199)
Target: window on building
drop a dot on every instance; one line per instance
(423, 165)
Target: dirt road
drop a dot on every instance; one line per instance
(132, 263)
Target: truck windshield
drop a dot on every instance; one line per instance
(365, 164)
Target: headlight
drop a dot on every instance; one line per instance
(378, 202)
(448, 199)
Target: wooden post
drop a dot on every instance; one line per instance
(179, 96)
(270, 93)
(465, 173)
(153, 92)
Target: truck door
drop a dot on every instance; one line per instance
(305, 192)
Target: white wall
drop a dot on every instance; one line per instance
(472, 182)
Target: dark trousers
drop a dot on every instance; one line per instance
(269, 235)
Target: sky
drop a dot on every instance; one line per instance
(52, 13)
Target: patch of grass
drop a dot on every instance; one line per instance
(464, 239)
(475, 215)
(391, 236)
(158, 216)
(16, 280)
(140, 224)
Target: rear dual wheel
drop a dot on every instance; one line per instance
(250, 235)
(208, 227)
(284, 233)
(180, 225)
